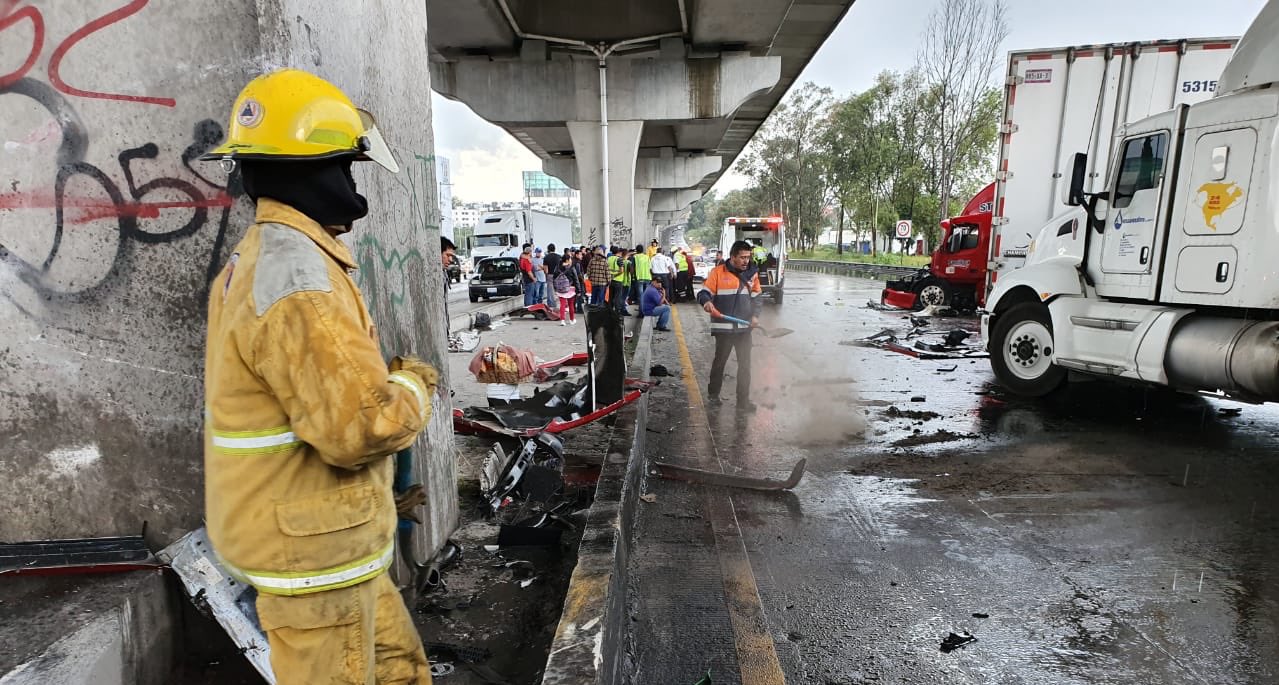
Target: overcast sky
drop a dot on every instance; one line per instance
(875, 35)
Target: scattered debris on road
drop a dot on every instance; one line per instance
(939, 436)
(951, 345)
(648, 497)
(953, 642)
(911, 414)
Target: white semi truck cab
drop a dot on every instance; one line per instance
(1170, 275)
(503, 233)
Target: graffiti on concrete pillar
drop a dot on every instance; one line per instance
(621, 232)
(592, 236)
(394, 263)
(69, 229)
(95, 219)
(11, 15)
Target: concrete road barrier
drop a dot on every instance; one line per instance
(466, 320)
(859, 269)
(589, 640)
(114, 630)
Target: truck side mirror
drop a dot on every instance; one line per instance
(1078, 174)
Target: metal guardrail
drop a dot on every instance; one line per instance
(861, 269)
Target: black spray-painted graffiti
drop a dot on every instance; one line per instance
(77, 197)
(621, 232)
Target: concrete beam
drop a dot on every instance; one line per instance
(563, 168)
(515, 92)
(673, 200)
(681, 171)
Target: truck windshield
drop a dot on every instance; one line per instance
(498, 240)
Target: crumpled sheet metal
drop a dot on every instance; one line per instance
(232, 603)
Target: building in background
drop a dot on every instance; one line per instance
(541, 186)
(445, 181)
(541, 192)
(467, 215)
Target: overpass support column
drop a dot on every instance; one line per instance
(643, 224)
(623, 149)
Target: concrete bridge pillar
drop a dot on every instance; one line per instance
(643, 223)
(110, 232)
(623, 147)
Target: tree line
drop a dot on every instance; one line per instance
(915, 145)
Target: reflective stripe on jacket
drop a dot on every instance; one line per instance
(302, 414)
(733, 294)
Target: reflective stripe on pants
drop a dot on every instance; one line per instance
(354, 636)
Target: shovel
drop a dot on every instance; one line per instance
(768, 332)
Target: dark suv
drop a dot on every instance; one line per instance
(454, 271)
(496, 277)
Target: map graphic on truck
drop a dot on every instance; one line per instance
(1216, 199)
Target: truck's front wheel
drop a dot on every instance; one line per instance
(932, 291)
(1021, 351)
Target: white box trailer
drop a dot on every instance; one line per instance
(502, 233)
(1061, 101)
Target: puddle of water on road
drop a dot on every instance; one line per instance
(874, 505)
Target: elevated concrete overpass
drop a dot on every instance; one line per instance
(676, 88)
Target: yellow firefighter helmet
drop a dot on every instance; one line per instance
(293, 115)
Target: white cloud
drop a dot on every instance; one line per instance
(492, 174)
(485, 160)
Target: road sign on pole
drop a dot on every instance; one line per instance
(904, 229)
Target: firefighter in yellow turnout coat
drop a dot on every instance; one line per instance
(302, 412)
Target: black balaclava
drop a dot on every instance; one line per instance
(322, 189)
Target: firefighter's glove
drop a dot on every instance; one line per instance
(430, 377)
(410, 499)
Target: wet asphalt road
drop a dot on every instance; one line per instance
(1109, 534)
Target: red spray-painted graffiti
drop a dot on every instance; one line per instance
(10, 17)
(86, 209)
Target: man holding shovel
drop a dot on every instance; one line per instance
(732, 290)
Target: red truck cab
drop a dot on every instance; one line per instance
(956, 276)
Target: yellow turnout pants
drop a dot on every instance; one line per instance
(361, 635)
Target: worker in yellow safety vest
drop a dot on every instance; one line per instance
(302, 413)
(759, 253)
(621, 280)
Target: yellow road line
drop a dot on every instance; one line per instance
(756, 655)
